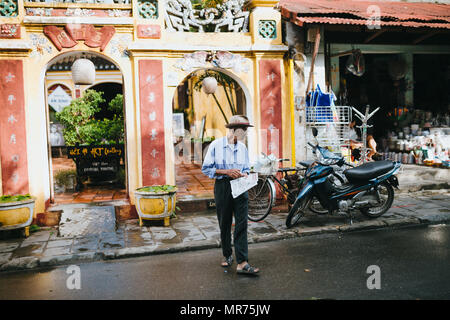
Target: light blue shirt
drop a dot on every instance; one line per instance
(222, 155)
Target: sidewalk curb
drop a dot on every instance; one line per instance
(438, 185)
(29, 263)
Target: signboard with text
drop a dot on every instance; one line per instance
(95, 152)
(59, 99)
(100, 161)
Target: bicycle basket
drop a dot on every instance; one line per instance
(266, 165)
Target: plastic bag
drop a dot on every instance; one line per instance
(319, 106)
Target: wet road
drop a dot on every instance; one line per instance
(414, 263)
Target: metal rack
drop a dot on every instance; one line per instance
(332, 124)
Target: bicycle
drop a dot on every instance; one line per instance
(262, 196)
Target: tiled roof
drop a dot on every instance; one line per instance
(404, 14)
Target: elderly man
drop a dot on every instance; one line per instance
(227, 159)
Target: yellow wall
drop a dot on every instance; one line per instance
(170, 48)
(36, 117)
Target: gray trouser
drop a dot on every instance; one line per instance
(226, 206)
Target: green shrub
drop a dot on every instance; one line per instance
(15, 198)
(156, 189)
(62, 177)
(81, 126)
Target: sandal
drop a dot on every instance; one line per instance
(227, 262)
(247, 269)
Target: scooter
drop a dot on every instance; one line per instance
(369, 187)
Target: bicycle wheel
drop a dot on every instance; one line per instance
(260, 200)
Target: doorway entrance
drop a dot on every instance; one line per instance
(86, 117)
(202, 105)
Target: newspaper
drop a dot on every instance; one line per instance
(239, 186)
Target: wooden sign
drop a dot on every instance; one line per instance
(68, 37)
(99, 161)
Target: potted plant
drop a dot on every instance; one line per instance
(65, 180)
(16, 212)
(155, 202)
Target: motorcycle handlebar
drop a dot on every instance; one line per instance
(342, 163)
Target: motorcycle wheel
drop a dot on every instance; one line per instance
(316, 207)
(387, 196)
(260, 200)
(298, 210)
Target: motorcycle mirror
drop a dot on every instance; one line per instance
(315, 132)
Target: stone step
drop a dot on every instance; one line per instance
(191, 204)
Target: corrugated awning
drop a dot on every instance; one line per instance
(355, 12)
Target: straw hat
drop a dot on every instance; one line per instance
(238, 121)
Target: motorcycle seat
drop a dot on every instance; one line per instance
(369, 170)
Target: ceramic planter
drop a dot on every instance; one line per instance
(155, 205)
(16, 215)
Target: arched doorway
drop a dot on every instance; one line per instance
(199, 117)
(92, 179)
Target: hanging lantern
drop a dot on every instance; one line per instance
(209, 85)
(83, 71)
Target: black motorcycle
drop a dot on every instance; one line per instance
(369, 187)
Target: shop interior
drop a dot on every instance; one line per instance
(413, 123)
(405, 72)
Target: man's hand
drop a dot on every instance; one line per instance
(232, 173)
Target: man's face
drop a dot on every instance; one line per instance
(239, 133)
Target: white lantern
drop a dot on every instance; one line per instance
(83, 71)
(209, 85)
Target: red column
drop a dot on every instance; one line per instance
(151, 100)
(270, 101)
(13, 142)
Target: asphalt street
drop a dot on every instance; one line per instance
(413, 263)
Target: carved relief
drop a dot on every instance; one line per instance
(228, 17)
(66, 38)
(149, 31)
(40, 45)
(221, 59)
(119, 45)
(9, 31)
